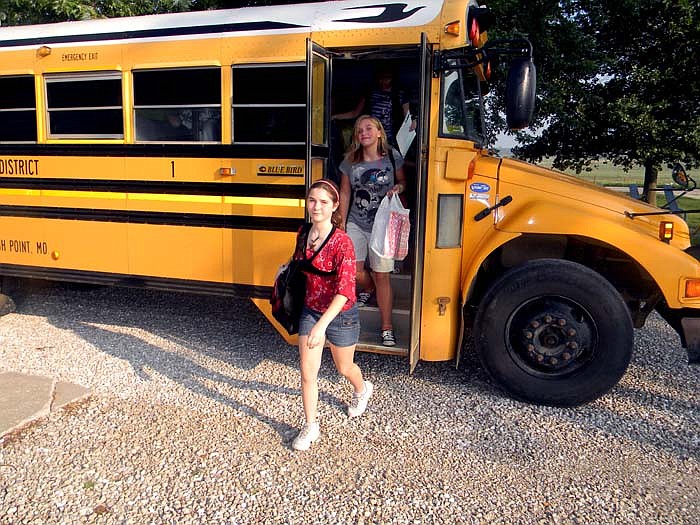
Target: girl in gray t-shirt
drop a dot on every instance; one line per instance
(371, 170)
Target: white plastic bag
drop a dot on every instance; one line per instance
(379, 227)
(396, 240)
(390, 231)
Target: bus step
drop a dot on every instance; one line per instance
(371, 328)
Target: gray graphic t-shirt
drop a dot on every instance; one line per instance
(369, 182)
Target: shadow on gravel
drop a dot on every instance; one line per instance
(212, 327)
(234, 332)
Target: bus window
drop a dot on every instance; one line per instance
(461, 106)
(85, 105)
(178, 105)
(17, 109)
(269, 104)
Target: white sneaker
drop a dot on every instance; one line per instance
(309, 433)
(358, 405)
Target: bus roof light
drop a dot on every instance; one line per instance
(479, 20)
(453, 28)
(474, 32)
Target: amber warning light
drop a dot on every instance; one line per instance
(666, 231)
(692, 288)
(452, 28)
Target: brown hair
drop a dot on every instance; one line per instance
(354, 153)
(332, 189)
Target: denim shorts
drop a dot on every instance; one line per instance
(344, 330)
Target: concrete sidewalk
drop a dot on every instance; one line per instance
(25, 398)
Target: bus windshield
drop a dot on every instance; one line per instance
(461, 115)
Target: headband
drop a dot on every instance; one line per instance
(327, 183)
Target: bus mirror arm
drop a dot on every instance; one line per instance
(487, 211)
(469, 57)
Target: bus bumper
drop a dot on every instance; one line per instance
(685, 321)
(691, 335)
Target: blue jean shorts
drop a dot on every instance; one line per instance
(343, 331)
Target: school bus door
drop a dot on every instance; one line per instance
(318, 84)
(420, 204)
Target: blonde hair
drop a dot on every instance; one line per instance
(354, 152)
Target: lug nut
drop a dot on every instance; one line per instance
(547, 319)
(535, 324)
(553, 360)
(529, 335)
(539, 358)
(566, 356)
(573, 345)
(530, 348)
(562, 322)
(571, 332)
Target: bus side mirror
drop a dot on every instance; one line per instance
(680, 177)
(520, 93)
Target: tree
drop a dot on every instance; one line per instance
(619, 81)
(22, 12)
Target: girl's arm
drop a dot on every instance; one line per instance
(352, 113)
(400, 183)
(345, 191)
(318, 333)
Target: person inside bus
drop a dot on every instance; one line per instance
(168, 127)
(330, 310)
(371, 169)
(385, 102)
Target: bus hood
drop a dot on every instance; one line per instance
(569, 191)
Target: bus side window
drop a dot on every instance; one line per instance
(85, 105)
(178, 105)
(17, 109)
(269, 103)
(461, 107)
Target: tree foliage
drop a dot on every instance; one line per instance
(619, 80)
(22, 12)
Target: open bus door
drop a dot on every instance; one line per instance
(420, 204)
(318, 118)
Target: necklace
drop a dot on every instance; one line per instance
(316, 239)
(313, 241)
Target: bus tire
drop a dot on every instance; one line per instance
(554, 332)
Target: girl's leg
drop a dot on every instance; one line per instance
(364, 279)
(385, 298)
(343, 357)
(310, 362)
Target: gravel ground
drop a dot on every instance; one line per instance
(193, 413)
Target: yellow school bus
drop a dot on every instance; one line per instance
(174, 152)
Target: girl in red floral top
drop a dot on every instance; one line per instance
(330, 313)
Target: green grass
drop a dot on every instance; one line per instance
(606, 174)
(693, 219)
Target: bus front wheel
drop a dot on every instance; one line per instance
(554, 332)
